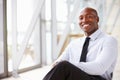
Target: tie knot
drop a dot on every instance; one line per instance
(87, 38)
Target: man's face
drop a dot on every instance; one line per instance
(88, 21)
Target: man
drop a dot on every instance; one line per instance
(96, 62)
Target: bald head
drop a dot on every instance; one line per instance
(89, 9)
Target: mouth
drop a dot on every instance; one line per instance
(86, 25)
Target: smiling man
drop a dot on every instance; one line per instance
(92, 57)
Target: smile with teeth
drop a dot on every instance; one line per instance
(86, 25)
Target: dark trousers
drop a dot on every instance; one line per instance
(67, 71)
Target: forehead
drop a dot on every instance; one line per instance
(88, 11)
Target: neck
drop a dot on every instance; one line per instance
(90, 33)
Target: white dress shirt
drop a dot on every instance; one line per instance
(101, 56)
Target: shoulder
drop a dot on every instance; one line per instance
(76, 42)
(110, 39)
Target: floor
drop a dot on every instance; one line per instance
(36, 74)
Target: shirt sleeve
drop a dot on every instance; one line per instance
(65, 54)
(103, 61)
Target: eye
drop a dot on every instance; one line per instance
(80, 18)
(90, 16)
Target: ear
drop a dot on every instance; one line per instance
(97, 18)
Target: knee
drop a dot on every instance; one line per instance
(64, 63)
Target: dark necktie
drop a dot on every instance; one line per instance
(84, 50)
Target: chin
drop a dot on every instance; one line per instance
(85, 30)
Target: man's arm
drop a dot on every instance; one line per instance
(103, 61)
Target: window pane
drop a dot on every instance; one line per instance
(1, 39)
(31, 55)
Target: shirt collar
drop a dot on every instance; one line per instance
(95, 35)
